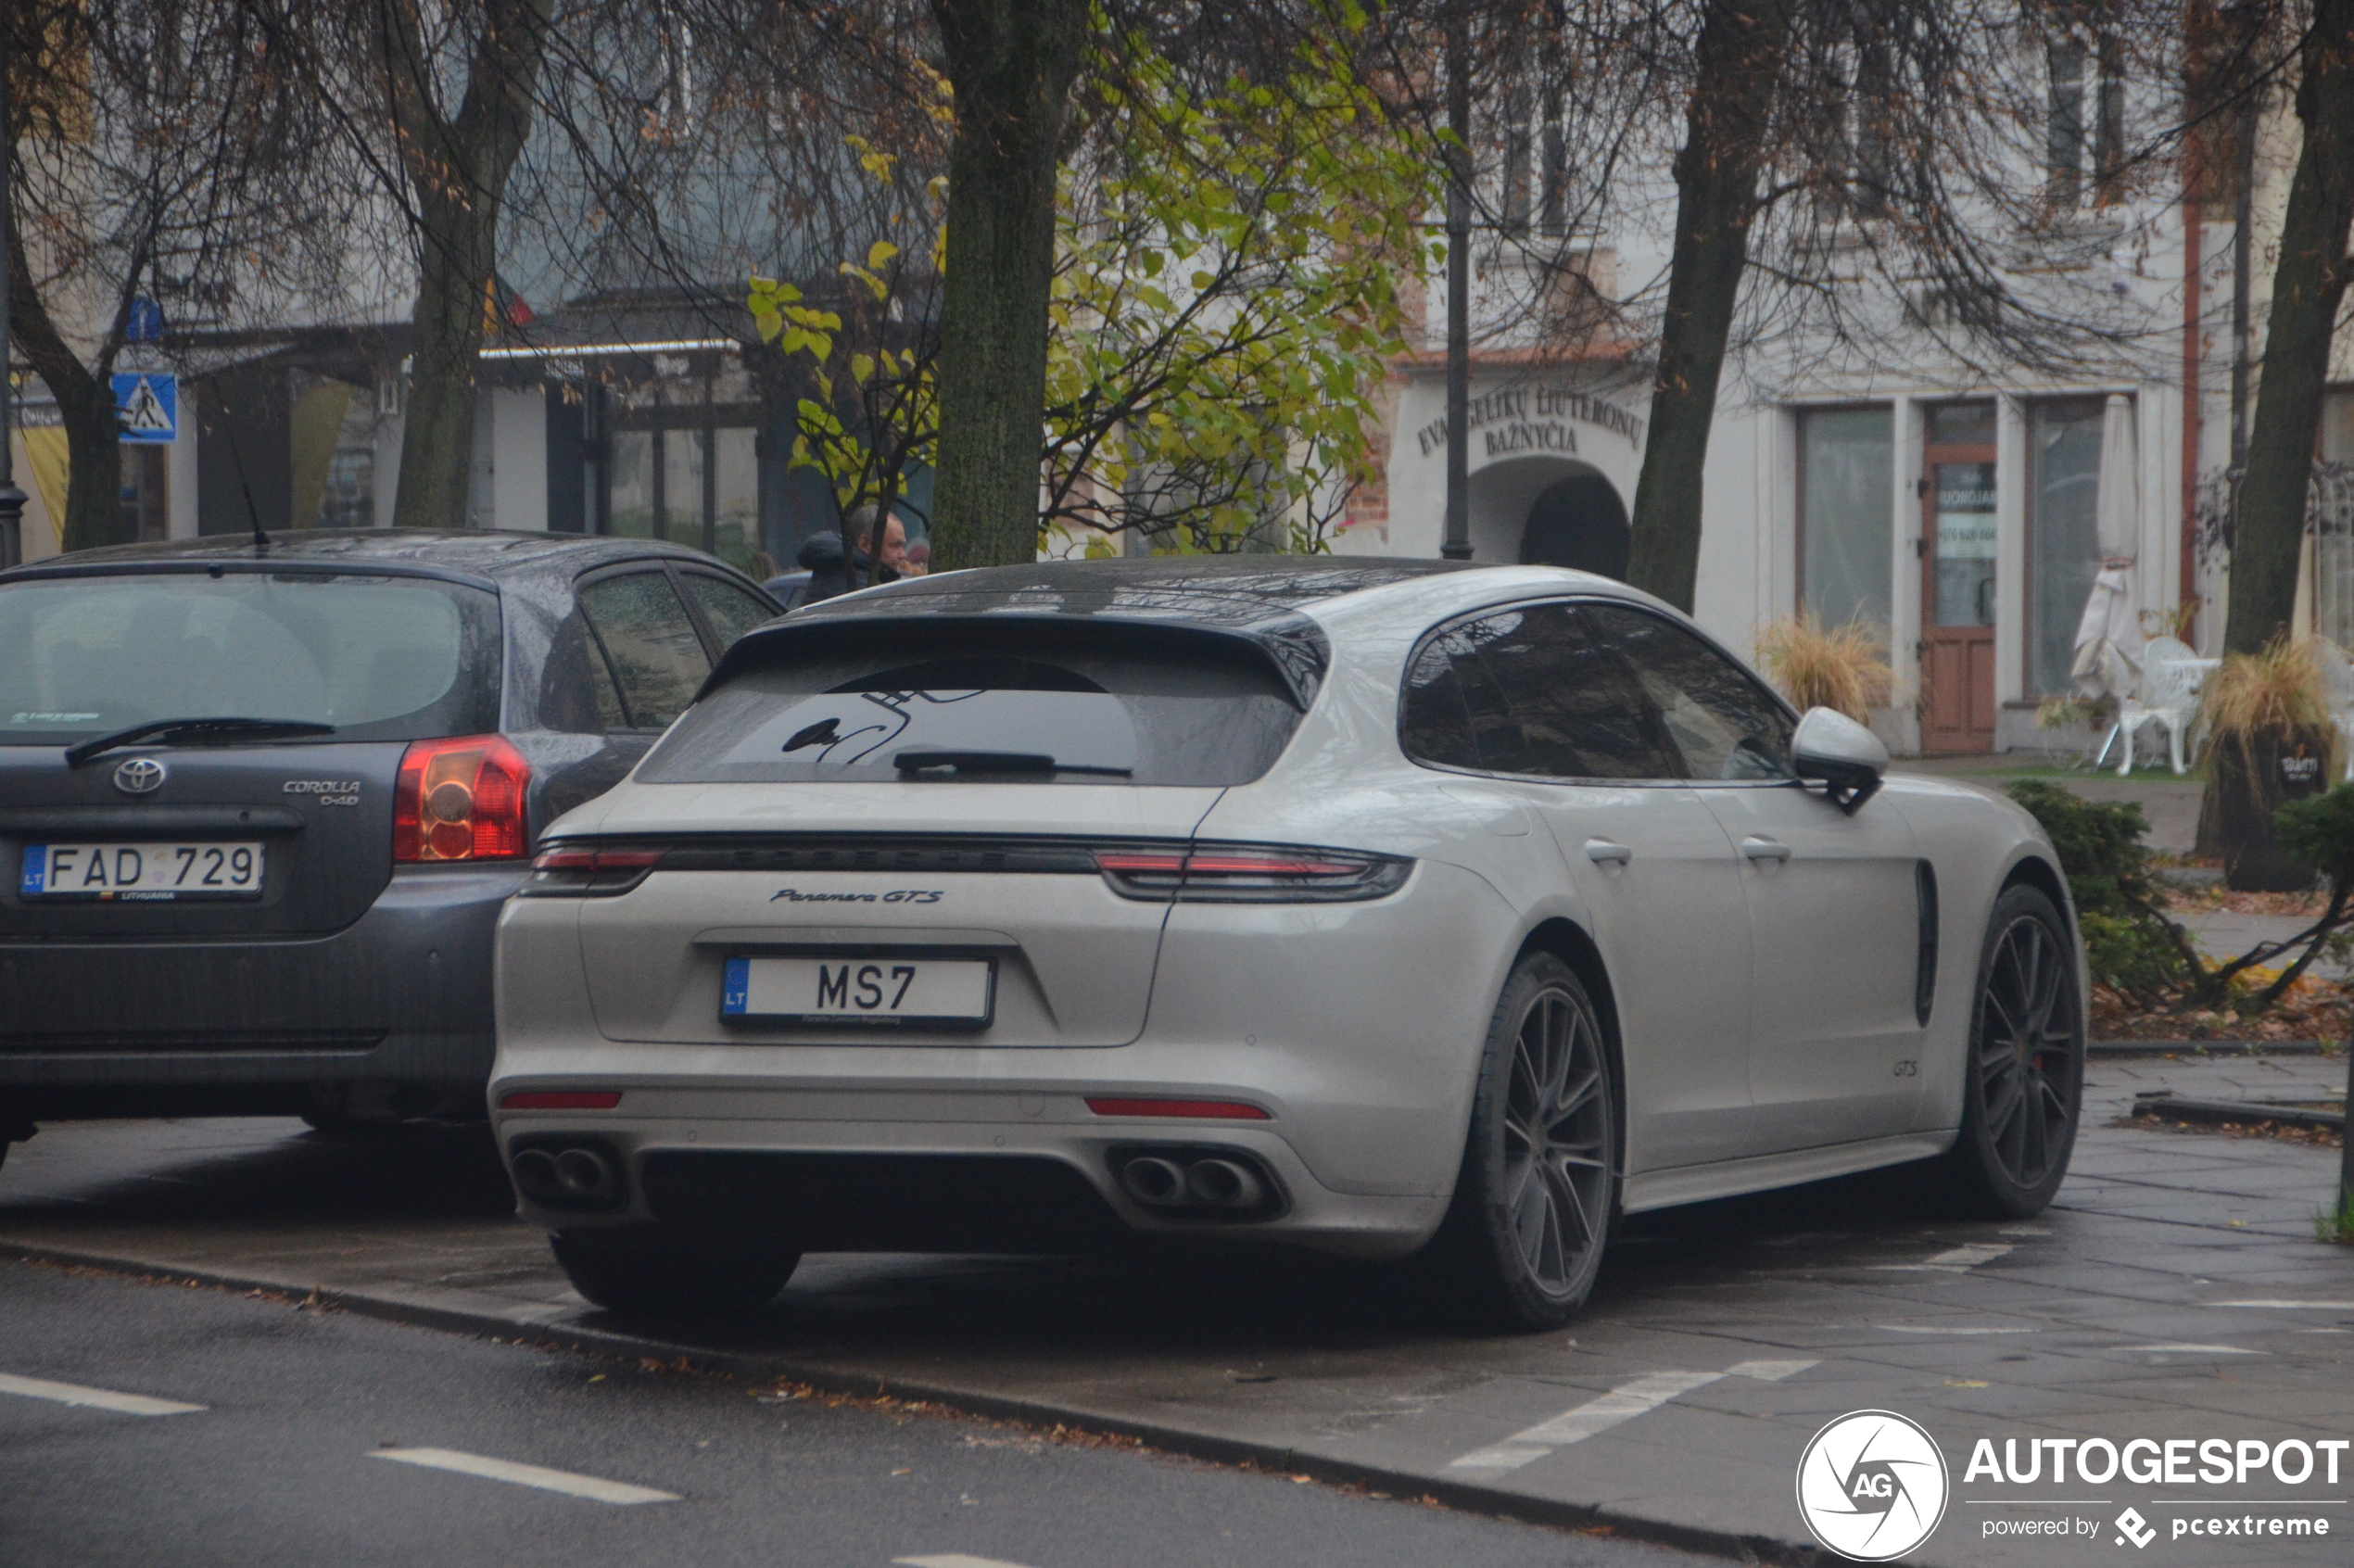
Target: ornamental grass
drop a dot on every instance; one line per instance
(1840, 668)
(2278, 695)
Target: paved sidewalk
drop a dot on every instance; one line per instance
(2175, 1292)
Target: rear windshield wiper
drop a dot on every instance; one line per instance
(996, 762)
(195, 731)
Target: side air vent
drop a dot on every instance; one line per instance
(1925, 974)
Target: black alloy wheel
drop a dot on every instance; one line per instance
(1539, 1188)
(2025, 1084)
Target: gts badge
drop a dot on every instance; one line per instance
(898, 895)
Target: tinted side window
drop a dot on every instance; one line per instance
(656, 656)
(730, 610)
(1580, 716)
(1433, 724)
(1721, 721)
(575, 686)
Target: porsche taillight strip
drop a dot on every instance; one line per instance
(1149, 871)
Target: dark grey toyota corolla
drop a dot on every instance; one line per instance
(260, 805)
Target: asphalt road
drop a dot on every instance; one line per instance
(325, 1439)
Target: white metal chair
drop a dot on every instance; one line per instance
(2171, 675)
(2338, 670)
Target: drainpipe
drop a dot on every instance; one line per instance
(2187, 594)
(1456, 544)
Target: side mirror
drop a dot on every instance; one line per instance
(1847, 757)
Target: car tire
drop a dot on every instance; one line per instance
(1534, 1203)
(2023, 1082)
(651, 1272)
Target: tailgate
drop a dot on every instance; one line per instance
(318, 819)
(999, 873)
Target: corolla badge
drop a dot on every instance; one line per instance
(140, 776)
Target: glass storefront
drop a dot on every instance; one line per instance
(1846, 479)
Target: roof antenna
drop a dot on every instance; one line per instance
(261, 539)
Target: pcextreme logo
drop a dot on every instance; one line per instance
(1873, 1485)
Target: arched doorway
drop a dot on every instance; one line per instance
(1577, 522)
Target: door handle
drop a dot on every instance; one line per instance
(1602, 852)
(1755, 848)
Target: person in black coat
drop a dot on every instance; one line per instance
(831, 572)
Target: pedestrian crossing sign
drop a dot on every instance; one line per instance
(148, 405)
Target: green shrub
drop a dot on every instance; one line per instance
(2126, 944)
(2319, 829)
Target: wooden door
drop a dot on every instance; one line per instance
(1958, 580)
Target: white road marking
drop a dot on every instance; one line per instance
(1599, 1414)
(951, 1559)
(617, 1492)
(2293, 1306)
(1769, 1371)
(2194, 1349)
(1959, 1260)
(1916, 1328)
(95, 1399)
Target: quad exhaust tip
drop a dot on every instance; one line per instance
(1181, 1180)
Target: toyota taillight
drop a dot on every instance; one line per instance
(461, 799)
(1250, 873)
(577, 868)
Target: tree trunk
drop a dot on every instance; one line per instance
(1737, 65)
(86, 404)
(1011, 63)
(2308, 285)
(458, 169)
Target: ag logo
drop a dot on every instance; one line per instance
(1873, 1485)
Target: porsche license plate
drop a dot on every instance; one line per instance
(890, 989)
(144, 872)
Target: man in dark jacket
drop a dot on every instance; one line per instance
(831, 573)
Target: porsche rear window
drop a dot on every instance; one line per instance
(986, 713)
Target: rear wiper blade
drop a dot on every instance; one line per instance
(195, 731)
(996, 762)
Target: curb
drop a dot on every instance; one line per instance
(2210, 1047)
(419, 1310)
(2161, 1103)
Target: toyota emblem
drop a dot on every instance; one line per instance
(140, 776)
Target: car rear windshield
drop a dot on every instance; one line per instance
(381, 658)
(967, 710)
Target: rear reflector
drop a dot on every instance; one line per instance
(461, 799)
(1212, 1110)
(561, 1099)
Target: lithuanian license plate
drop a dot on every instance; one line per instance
(141, 873)
(902, 990)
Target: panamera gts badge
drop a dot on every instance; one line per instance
(140, 776)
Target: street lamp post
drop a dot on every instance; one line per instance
(1457, 544)
(11, 498)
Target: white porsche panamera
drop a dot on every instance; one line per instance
(1375, 906)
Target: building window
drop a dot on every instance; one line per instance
(2063, 534)
(2337, 425)
(1845, 540)
(684, 458)
(2067, 138)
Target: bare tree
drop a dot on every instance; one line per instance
(161, 149)
(1012, 63)
(2309, 287)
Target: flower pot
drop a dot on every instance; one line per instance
(2248, 782)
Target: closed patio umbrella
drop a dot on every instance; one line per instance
(2109, 644)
